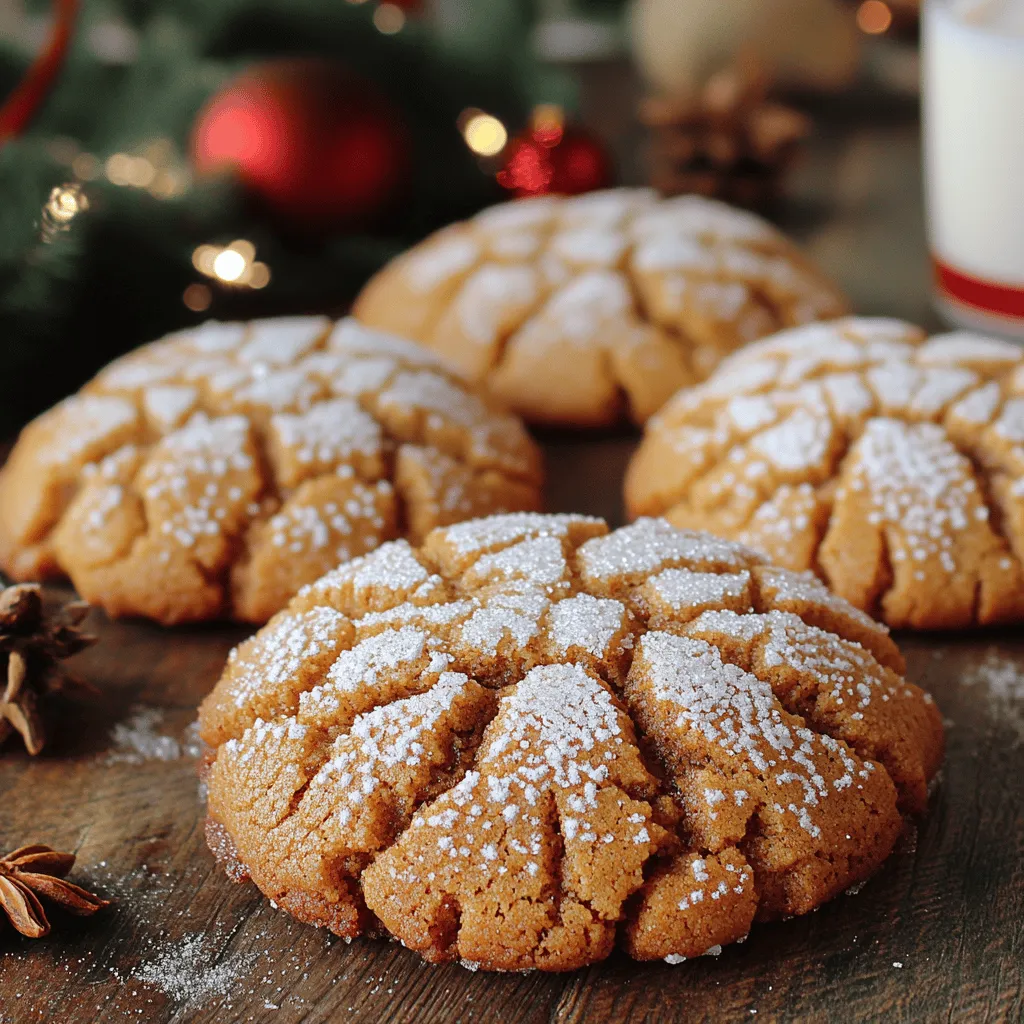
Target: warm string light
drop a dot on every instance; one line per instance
(483, 133)
(65, 202)
(874, 17)
(123, 169)
(86, 166)
(389, 19)
(234, 265)
(154, 169)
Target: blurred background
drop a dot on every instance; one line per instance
(165, 161)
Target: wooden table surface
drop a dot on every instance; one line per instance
(938, 935)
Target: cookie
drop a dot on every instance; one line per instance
(531, 739)
(584, 311)
(215, 472)
(890, 464)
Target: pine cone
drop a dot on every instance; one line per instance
(730, 142)
(35, 639)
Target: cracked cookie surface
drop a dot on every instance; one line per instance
(889, 464)
(531, 739)
(588, 310)
(213, 473)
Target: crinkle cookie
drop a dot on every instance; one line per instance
(891, 465)
(213, 473)
(530, 740)
(582, 311)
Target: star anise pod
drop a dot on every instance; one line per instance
(729, 142)
(34, 871)
(34, 640)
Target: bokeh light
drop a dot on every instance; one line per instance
(485, 134)
(65, 201)
(63, 204)
(229, 265)
(259, 275)
(874, 17)
(389, 19)
(124, 169)
(197, 297)
(86, 166)
(234, 265)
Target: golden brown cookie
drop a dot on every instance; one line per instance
(531, 739)
(890, 465)
(583, 311)
(213, 473)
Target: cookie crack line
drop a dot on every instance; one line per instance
(783, 448)
(462, 746)
(218, 470)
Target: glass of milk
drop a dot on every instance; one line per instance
(973, 95)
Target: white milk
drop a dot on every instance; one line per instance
(973, 90)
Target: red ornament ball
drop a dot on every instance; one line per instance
(317, 143)
(552, 158)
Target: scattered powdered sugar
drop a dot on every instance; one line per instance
(783, 586)
(586, 622)
(286, 645)
(798, 443)
(1003, 679)
(917, 481)
(493, 295)
(392, 567)
(278, 341)
(515, 614)
(434, 265)
(359, 666)
(569, 711)
(635, 551)
(89, 420)
(138, 739)
(190, 971)
(736, 710)
(329, 433)
(500, 531)
(683, 589)
(538, 559)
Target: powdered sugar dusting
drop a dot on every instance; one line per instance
(650, 544)
(856, 427)
(475, 737)
(514, 288)
(500, 531)
(224, 425)
(285, 647)
(735, 710)
(1001, 681)
(140, 738)
(587, 623)
(918, 482)
(190, 972)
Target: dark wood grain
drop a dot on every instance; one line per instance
(948, 907)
